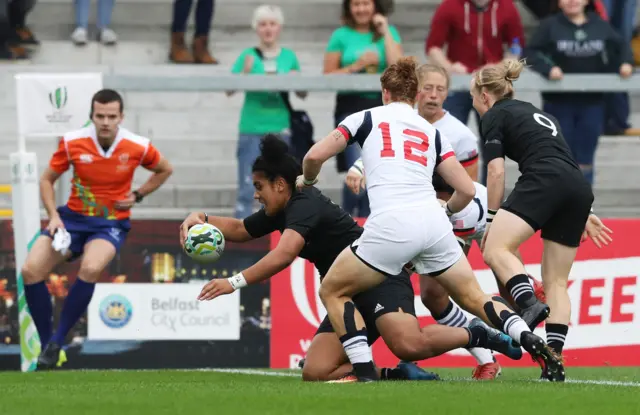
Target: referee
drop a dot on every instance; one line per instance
(551, 195)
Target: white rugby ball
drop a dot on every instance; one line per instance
(204, 243)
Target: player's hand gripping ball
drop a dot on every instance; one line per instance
(204, 243)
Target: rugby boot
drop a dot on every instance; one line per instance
(412, 372)
(550, 363)
(49, 357)
(488, 371)
(496, 340)
(535, 314)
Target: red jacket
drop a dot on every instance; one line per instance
(475, 38)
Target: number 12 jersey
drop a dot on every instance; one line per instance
(400, 151)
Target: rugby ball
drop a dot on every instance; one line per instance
(204, 243)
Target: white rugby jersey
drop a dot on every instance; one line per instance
(472, 220)
(400, 151)
(461, 138)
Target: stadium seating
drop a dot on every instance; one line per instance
(198, 131)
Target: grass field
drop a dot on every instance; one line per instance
(608, 391)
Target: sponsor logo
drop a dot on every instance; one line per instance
(115, 311)
(58, 98)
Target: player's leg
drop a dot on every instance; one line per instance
(447, 313)
(561, 237)
(508, 231)
(41, 260)
(98, 253)
(348, 276)
(326, 359)
(459, 281)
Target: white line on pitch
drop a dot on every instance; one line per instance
(293, 374)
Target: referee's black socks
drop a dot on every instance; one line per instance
(521, 291)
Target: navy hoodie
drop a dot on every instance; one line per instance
(593, 47)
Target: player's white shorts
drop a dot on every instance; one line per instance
(420, 235)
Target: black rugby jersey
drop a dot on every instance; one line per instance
(326, 228)
(520, 131)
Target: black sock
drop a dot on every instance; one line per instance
(556, 336)
(388, 373)
(477, 337)
(521, 291)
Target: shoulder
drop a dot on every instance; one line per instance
(289, 53)
(133, 140)
(394, 30)
(304, 202)
(341, 32)
(85, 132)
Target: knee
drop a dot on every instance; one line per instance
(31, 274)
(491, 255)
(90, 271)
(315, 373)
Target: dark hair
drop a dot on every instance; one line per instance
(401, 80)
(105, 96)
(275, 161)
(383, 7)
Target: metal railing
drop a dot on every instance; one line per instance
(528, 82)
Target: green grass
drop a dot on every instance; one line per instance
(199, 392)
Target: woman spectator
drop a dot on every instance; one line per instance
(262, 112)
(179, 52)
(578, 41)
(365, 43)
(103, 20)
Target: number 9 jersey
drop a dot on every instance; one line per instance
(400, 151)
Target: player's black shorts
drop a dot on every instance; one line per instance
(554, 197)
(393, 294)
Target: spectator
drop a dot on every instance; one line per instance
(200, 49)
(18, 11)
(14, 34)
(366, 43)
(576, 41)
(475, 33)
(262, 112)
(622, 16)
(544, 8)
(103, 20)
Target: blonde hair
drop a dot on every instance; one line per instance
(427, 68)
(267, 11)
(401, 80)
(498, 79)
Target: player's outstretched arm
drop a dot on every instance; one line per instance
(233, 229)
(321, 151)
(456, 176)
(288, 248)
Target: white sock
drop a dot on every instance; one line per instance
(455, 317)
(515, 326)
(482, 356)
(358, 350)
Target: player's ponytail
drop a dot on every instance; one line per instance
(401, 80)
(275, 161)
(498, 79)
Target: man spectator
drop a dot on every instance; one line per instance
(475, 33)
(200, 49)
(14, 33)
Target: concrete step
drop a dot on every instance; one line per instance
(142, 20)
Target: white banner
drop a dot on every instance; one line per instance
(134, 311)
(53, 104)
